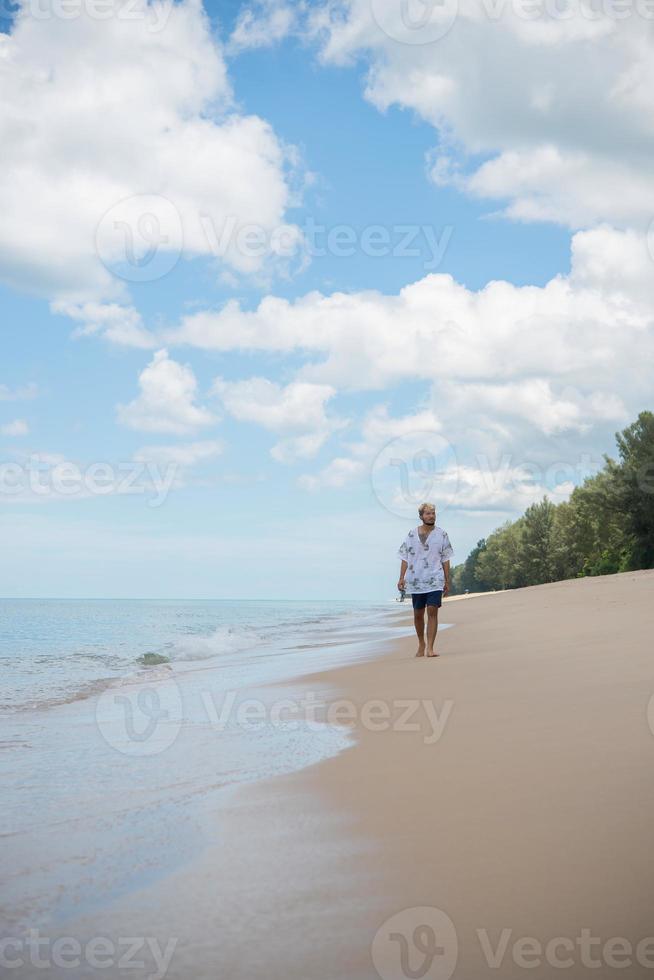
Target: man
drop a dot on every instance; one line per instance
(425, 574)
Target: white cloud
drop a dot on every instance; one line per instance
(295, 406)
(177, 461)
(618, 264)
(377, 429)
(556, 97)
(458, 475)
(505, 489)
(338, 473)
(183, 454)
(99, 110)
(533, 401)
(296, 409)
(592, 330)
(300, 447)
(18, 427)
(167, 401)
(525, 369)
(549, 184)
(118, 324)
(262, 25)
(8, 394)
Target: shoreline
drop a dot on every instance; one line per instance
(531, 811)
(151, 796)
(173, 654)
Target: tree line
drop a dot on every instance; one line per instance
(606, 526)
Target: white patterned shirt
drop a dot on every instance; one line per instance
(425, 561)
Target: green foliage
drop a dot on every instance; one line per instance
(606, 526)
(500, 567)
(634, 480)
(536, 553)
(464, 576)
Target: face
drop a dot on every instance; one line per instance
(429, 515)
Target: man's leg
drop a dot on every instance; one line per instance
(419, 620)
(432, 629)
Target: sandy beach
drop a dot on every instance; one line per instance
(493, 817)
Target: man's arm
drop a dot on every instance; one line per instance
(446, 569)
(403, 568)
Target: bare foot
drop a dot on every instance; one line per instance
(432, 653)
(421, 652)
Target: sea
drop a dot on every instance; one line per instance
(123, 724)
(54, 651)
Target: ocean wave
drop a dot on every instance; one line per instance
(42, 679)
(225, 639)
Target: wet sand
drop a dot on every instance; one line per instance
(519, 809)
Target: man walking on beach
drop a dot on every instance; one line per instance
(425, 574)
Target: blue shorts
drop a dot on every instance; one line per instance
(422, 599)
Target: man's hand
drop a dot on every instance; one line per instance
(446, 587)
(400, 586)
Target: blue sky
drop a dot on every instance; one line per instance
(275, 402)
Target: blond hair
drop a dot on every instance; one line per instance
(423, 507)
